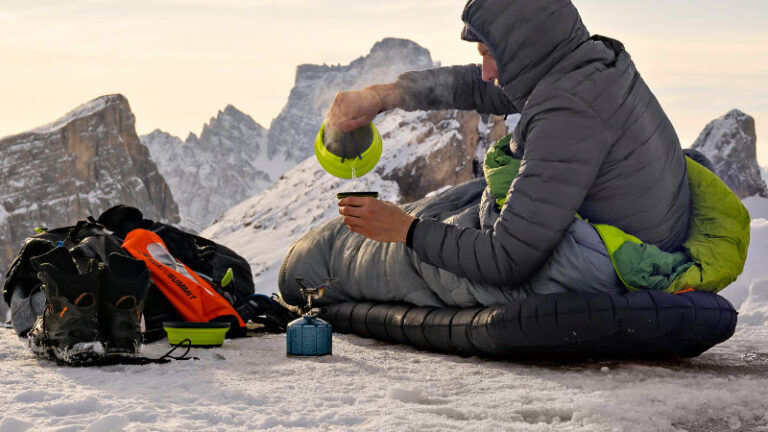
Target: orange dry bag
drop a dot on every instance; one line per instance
(192, 297)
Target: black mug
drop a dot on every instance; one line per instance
(341, 195)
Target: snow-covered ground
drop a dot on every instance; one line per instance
(250, 384)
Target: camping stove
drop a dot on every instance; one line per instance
(309, 335)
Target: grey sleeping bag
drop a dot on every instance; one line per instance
(367, 270)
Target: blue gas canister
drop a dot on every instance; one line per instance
(309, 335)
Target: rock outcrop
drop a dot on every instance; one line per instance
(225, 165)
(293, 131)
(730, 143)
(77, 166)
(448, 149)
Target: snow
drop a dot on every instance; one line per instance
(250, 384)
(3, 214)
(757, 206)
(764, 173)
(749, 293)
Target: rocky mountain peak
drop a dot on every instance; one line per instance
(208, 174)
(293, 131)
(233, 116)
(81, 164)
(730, 143)
(88, 109)
(230, 125)
(395, 50)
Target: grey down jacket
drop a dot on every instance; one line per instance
(592, 137)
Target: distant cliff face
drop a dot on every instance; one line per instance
(448, 149)
(730, 143)
(80, 165)
(225, 165)
(293, 132)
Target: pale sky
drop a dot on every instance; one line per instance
(180, 61)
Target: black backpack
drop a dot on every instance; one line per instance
(97, 238)
(207, 258)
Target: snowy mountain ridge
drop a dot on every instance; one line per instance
(213, 172)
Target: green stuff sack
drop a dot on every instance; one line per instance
(500, 169)
(715, 251)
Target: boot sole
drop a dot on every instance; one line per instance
(118, 352)
(82, 353)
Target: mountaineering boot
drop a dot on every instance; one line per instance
(68, 329)
(124, 286)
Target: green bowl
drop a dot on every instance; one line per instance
(345, 167)
(201, 334)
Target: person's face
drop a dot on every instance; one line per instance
(490, 72)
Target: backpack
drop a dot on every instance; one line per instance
(206, 258)
(193, 297)
(215, 266)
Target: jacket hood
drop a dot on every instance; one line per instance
(527, 38)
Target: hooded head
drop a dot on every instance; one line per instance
(527, 38)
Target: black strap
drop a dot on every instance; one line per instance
(357, 148)
(165, 358)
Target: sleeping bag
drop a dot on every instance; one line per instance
(382, 277)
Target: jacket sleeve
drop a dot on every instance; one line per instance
(565, 145)
(452, 87)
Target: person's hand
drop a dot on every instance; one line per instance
(377, 220)
(352, 109)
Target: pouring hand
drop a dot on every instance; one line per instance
(377, 220)
(352, 109)
(355, 108)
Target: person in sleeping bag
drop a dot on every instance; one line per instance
(592, 141)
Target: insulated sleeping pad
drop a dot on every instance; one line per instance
(563, 326)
